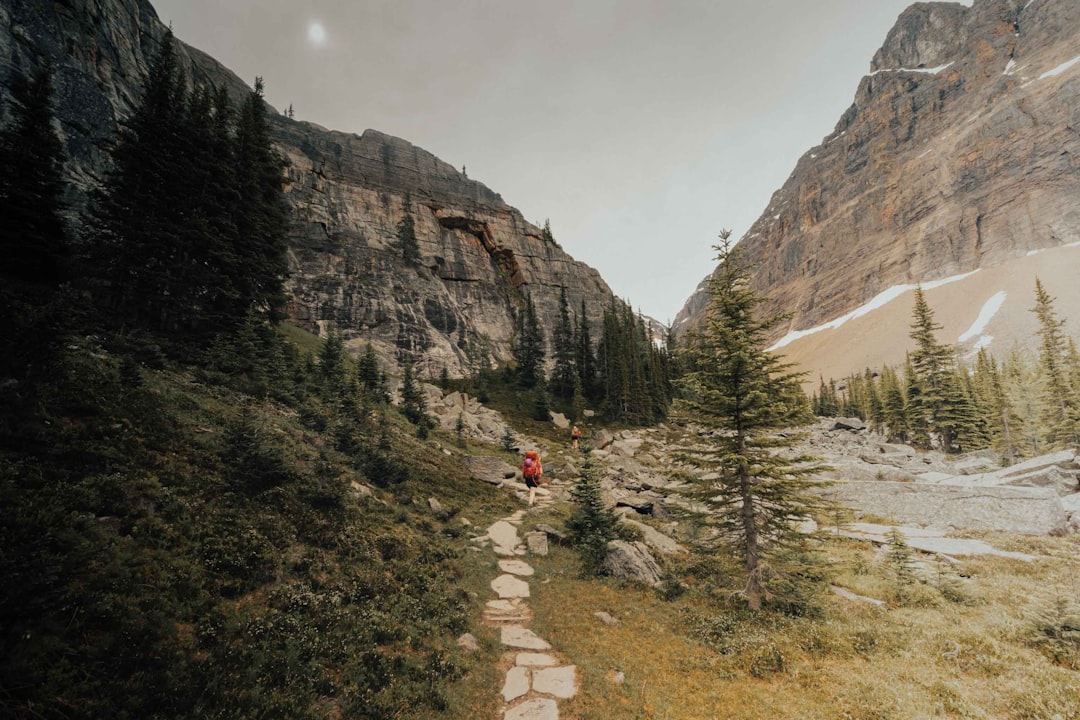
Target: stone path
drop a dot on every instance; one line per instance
(536, 678)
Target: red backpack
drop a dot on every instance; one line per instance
(531, 467)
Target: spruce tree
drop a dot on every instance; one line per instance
(894, 406)
(34, 239)
(591, 525)
(406, 235)
(1061, 409)
(747, 394)
(940, 398)
(564, 351)
(262, 215)
(529, 346)
(585, 358)
(34, 242)
(413, 402)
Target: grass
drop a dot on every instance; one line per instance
(702, 656)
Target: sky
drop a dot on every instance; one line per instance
(640, 128)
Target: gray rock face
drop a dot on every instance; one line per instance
(957, 153)
(1013, 509)
(347, 192)
(632, 561)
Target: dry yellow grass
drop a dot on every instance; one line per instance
(960, 658)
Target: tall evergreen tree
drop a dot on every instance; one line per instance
(591, 524)
(940, 398)
(413, 403)
(585, 358)
(894, 406)
(262, 216)
(733, 384)
(34, 240)
(564, 351)
(529, 346)
(1061, 409)
(406, 235)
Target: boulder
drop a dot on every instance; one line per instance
(560, 421)
(602, 439)
(851, 424)
(632, 561)
(655, 539)
(559, 538)
(491, 470)
(1036, 511)
(435, 505)
(537, 542)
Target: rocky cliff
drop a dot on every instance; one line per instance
(959, 152)
(479, 257)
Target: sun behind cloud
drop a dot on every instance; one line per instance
(316, 33)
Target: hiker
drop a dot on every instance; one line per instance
(575, 435)
(532, 470)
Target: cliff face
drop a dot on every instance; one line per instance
(960, 152)
(478, 255)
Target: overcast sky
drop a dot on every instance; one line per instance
(641, 128)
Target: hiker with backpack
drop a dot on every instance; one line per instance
(575, 435)
(532, 471)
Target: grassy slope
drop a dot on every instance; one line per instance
(152, 571)
(700, 656)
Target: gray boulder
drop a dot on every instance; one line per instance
(655, 539)
(851, 424)
(491, 470)
(632, 561)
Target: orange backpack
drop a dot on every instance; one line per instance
(531, 468)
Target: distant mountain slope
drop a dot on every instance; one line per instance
(959, 152)
(479, 256)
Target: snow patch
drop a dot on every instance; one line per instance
(879, 300)
(1009, 67)
(989, 309)
(1026, 6)
(983, 342)
(927, 71)
(1060, 68)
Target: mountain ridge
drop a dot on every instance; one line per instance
(957, 153)
(348, 192)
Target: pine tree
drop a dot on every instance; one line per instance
(406, 235)
(894, 406)
(529, 346)
(413, 402)
(1061, 407)
(1001, 419)
(734, 385)
(332, 373)
(34, 240)
(564, 351)
(585, 358)
(262, 215)
(591, 524)
(934, 373)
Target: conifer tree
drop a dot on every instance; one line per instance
(1001, 419)
(934, 373)
(585, 358)
(332, 373)
(564, 351)
(894, 406)
(406, 235)
(413, 402)
(529, 346)
(733, 384)
(1022, 385)
(34, 240)
(591, 524)
(1061, 409)
(262, 216)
